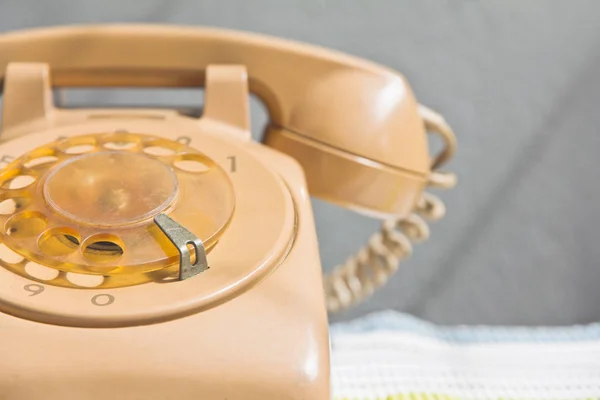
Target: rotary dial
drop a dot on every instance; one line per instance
(87, 205)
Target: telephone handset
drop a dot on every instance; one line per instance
(150, 254)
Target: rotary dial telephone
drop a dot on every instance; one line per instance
(149, 254)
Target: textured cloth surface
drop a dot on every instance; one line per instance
(389, 355)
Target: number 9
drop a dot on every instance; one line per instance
(34, 289)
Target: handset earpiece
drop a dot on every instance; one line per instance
(360, 140)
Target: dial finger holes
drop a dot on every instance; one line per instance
(78, 145)
(41, 272)
(59, 241)
(40, 158)
(85, 280)
(25, 224)
(79, 149)
(103, 248)
(13, 179)
(21, 181)
(40, 161)
(119, 145)
(9, 256)
(161, 148)
(8, 207)
(159, 151)
(194, 163)
(120, 141)
(12, 205)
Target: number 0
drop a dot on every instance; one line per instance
(103, 300)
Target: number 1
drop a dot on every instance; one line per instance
(233, 163)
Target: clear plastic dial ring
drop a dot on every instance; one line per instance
(86, 204)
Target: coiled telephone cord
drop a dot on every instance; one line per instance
(374, 264)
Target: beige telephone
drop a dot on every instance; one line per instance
(151, 255)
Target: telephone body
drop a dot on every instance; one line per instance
(149, 254)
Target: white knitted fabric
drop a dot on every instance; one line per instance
(394, 356)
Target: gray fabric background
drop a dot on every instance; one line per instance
(519, 82)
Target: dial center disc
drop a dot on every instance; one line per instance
(110, 188)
